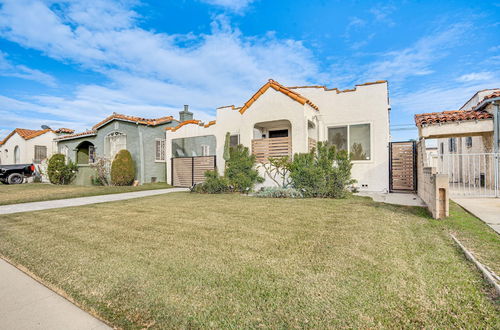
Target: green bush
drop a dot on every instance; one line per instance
(123, 169)
(214, 184)
(59, 172)
(279, 192)
(240, 170)
(323, 172)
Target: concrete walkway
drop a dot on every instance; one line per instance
(486, 209)
(27, 304)
(59, 203)
(408, 199)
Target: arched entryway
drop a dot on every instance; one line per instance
(85, 153)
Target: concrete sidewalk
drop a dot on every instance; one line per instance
(27, 304)
(59, 203)
(486, 209)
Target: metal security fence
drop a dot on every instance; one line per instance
(470, 175)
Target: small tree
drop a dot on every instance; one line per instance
(123, 169)
(102, 167)
(278, 170)
(240, 171)
(59, 172)
(227, 147)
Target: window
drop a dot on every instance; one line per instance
(441, 148)
(234, 140)
(278, 133)
(17, 155)
(452, 147)
(160, 150)
(91, 154)
(205, 150)
(40, 154)
(353, 138)
(114, 142)
(468, 142)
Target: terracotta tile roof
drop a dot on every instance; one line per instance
(193, 121)
(65, 130)
(492, 95)
(25, 133)
(138, 120)
(280, 88)
(450, 116)
(77, 135)
(341, 91)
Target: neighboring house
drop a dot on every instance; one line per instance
(279, 121)
(468, 144)
(143, 138)
(25, 146)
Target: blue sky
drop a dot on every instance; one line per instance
(71, 63)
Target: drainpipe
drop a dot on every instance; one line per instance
(141, 155)
(496, 126)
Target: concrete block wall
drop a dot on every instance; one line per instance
(433, 187)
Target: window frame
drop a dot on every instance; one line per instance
(348, 125)
(162, 143)
(452, 145)
(468, 141)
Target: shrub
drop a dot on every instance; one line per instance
(278, 170)
(323, 172)
(240, 170)
(59, 172)
(279, 192)
(214, 184)
(123, 169)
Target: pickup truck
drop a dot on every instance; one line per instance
(15, 174)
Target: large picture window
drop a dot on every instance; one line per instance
(40, 154)
(355, 139)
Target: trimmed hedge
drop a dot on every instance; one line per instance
(123, 169)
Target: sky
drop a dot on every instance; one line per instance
(72, 63)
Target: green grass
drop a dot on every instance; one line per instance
(227, 261)
(35, 192)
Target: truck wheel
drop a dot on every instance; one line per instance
(15, 178)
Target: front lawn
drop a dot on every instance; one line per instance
(227, 261)
(35, 192)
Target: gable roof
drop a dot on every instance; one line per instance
(137, 120)
(26, 134)
(450, 116)
(65, 130)
(192, 121)
(280, 88)
(77, 135)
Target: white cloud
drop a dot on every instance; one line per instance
(417, 59)
(234, 5)
(382, 14)
(150, 73)
(475, 76)
(8, 69)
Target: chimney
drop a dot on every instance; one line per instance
(185, 114)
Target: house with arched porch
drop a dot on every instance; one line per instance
(144, 138)
(282, 121)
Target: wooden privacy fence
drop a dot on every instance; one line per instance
(271, 147)
(403, 166)
(186, 171)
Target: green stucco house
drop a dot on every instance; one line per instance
(143, 138)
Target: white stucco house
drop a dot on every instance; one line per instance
(26, 146)
(279, 120)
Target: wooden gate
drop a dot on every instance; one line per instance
(402, 166)
(186, 171)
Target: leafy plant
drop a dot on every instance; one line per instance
(214, 184)
(323, 172)
(240, 169)
(59, 172)
(279, 192)
(123, 169)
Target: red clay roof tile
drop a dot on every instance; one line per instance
(450, 116)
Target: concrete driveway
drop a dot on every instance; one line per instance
(486, 209)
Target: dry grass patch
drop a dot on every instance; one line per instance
(228, 261)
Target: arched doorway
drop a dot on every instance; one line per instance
(17, 155)
(85, 153)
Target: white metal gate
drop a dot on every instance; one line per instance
(470, 175)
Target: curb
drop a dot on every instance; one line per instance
(488, 275)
